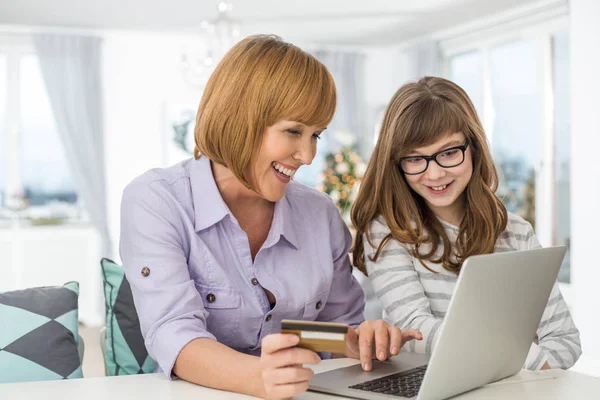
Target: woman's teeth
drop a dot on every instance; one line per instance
(284, 171)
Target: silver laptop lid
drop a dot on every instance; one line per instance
(492, 320)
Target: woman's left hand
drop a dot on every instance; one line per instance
(377, 339)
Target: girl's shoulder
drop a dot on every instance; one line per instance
(516, 236)
(379, 224)
(517, 224)
(377, 231)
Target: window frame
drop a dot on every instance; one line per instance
(14, 47)
(482, 41)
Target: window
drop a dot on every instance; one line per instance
(465, 71)
(2, 126)
(45, 175)
(515, 98)
(513, 85)
(562, 129)
(35, 179)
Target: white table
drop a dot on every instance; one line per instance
(553, 384)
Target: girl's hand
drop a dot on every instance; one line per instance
(545, 366)
(281, 366)
(377, 339)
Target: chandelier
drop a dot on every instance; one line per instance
(218, 36)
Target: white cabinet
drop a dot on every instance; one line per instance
(33, 256)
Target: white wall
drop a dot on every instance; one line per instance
(140, 74)
(585, 193)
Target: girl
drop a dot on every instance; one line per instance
(427, 202)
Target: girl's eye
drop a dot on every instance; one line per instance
(414, 160)
(317, 136)
(450, 153)
(294, 132)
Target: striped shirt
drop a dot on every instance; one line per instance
(414, 297)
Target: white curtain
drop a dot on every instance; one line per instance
(349, 123)
(348, 71)
(425, 59)
(71, 69)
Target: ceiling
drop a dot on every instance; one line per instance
(350, 22)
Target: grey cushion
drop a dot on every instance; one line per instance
(39, 336)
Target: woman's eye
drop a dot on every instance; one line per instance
(294, 132)
(414, 160)
(317, 136)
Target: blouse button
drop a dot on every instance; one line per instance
(319, 304)
(145, 271)
(269, 317)
(211, 298)
(254, 281)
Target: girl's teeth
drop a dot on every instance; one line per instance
(439, 187)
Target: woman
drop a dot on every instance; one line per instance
(220, 248)
(427, 202)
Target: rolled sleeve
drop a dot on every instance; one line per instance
(170, 338)
(170, 309)
(346, 303)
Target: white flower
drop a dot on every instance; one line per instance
(354, 193)
(360, 169)
(342, 168)
(344, 138)
(335, 196)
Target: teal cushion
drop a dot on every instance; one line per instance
(125, 352)
(39, 334)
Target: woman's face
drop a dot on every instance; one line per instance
(442, 188)
(286, 146)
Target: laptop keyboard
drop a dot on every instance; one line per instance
(402, 384)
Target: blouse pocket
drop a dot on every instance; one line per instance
(224, 311)
(313, 307)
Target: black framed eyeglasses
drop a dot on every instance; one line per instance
(447, 158)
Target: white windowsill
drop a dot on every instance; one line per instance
(10, 225)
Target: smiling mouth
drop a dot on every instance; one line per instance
(441, 188)
(283, 171)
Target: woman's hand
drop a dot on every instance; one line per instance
(281, 363)
(377, 339)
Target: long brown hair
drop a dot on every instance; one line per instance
(260, 81)
(418, 115)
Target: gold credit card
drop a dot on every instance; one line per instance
(318, 336)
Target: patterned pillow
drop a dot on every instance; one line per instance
(125, 352)
(39, 335)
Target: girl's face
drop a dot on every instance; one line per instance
(286, 146)
(442, 188)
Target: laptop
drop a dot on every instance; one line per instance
(492, 319)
